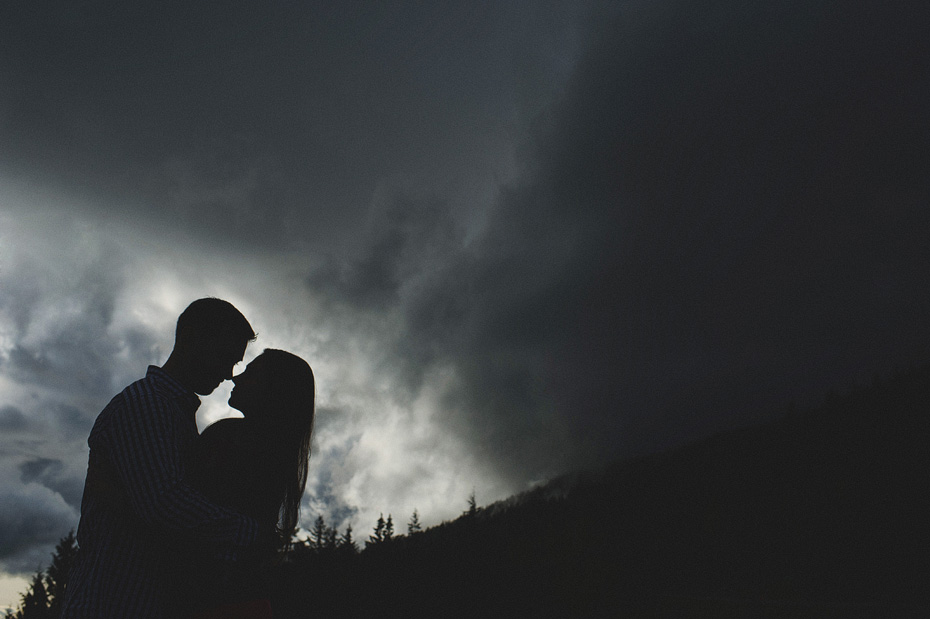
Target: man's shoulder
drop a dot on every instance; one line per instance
(142, 393)
(146, 389)
(126, 400)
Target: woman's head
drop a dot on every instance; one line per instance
(276, 389)
(276, 392)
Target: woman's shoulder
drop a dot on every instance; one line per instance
(226, 424)
(228, 431)
(223, 427)
(236, 435)
(223, 446)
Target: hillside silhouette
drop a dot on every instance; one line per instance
(821, 513)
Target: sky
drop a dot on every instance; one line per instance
(513, 239)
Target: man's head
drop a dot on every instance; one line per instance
(211, 338)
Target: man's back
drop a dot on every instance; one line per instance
(136, 503)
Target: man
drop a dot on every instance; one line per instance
(136, 502)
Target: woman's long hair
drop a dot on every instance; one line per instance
(291, 412)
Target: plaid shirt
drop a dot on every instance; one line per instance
(136, 507)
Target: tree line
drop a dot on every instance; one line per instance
(43, 598)
(45, 593)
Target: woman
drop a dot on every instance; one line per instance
(256, 465)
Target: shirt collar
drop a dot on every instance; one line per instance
(170, 386)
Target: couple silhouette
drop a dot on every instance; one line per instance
(176, 523)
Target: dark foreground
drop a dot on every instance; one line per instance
(823, 513)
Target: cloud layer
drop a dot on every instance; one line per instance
(512, 241)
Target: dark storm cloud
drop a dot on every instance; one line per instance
(405, 238)
(743, 190)
(269, 120)
(77, 359)
(323, 499)
(64, 338)
(12, 420)
(724, 212)
(722, 208)
(51, 473)
(768, 229)
(31, 519)
(324, 483)
(39, 468)
(71, 420)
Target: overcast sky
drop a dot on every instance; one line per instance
(513, 239)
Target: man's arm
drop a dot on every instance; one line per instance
(144, 442)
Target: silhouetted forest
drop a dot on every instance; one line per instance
(821, 513)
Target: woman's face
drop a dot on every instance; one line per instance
(252, 388)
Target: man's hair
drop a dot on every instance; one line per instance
(212, 319)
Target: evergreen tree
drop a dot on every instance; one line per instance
(318, 534)
(388, 528)
(414, 525)
(346, 543)
(332, 538)
(56, 577)
(472, 504)
(378, 535)
(46, 592)
(35, 601)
